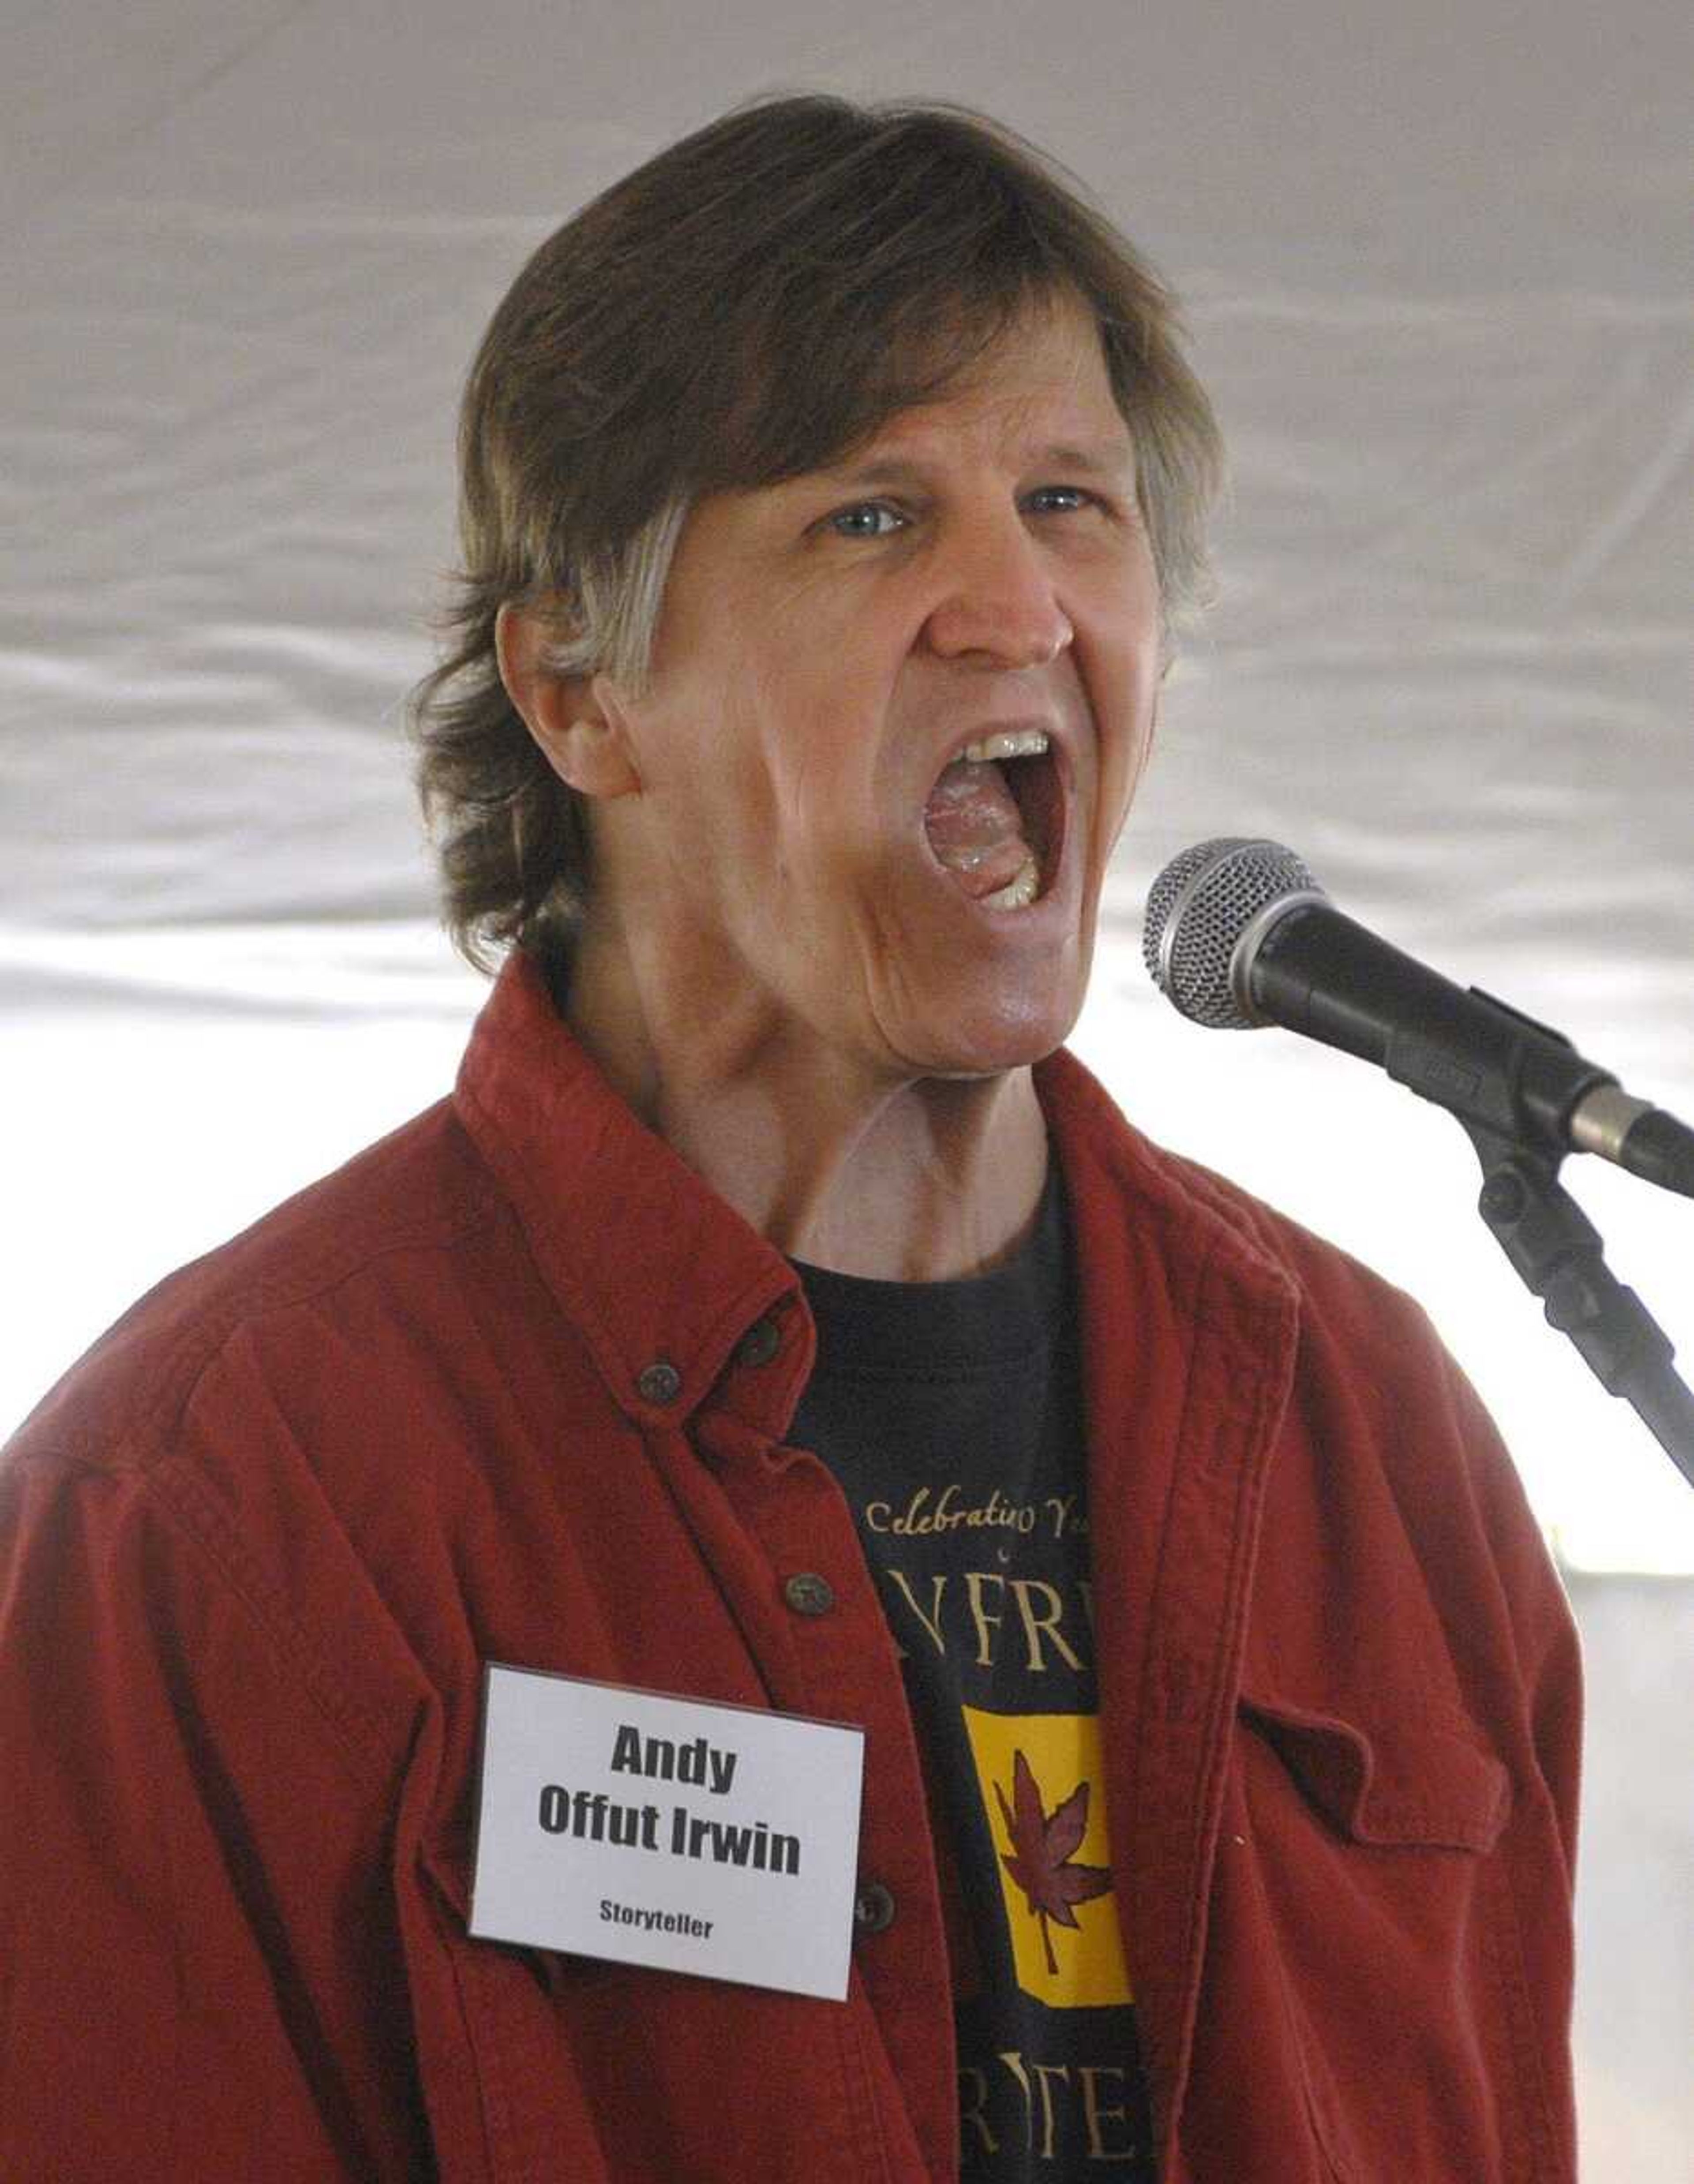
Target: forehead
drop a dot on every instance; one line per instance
(1042, 388)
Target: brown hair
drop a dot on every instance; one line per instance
(749, 305)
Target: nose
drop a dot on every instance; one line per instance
(998, 604)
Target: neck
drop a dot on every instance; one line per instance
(890, 1178)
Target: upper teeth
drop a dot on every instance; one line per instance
(1009, 743)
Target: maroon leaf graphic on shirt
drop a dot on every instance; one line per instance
(1042, 1844)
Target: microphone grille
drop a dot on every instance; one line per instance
(1200, 906)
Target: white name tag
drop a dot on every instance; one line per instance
(672, 1832)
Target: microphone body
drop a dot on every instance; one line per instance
(1317, 971)
(1239, 933)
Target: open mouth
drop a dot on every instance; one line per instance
(993, 820)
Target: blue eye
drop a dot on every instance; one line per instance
(1061, 500)
(865, 520)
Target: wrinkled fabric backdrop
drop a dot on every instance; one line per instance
(1435, 261)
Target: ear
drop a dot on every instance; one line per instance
(578, 730)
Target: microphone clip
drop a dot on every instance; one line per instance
(1559, 1256)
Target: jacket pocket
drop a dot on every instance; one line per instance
(1371, 1864)
(1422, 1780)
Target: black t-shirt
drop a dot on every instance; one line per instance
(951, 1414)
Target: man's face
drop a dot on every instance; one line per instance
(833, 647)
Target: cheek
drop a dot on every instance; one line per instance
(1140, 664)
(1140, 750)
(1124, 718)
(826, 755)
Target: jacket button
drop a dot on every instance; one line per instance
(873, 1908)
(760, 1345)
(808, 1594)
(659, 1382)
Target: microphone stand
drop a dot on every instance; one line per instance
(1561, 1257)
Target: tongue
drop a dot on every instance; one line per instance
(974, 826)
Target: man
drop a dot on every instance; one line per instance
(776, 1317)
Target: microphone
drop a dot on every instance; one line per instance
(1239, 933)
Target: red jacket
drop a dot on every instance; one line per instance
(259, 1544)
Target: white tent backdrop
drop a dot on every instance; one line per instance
(1434, 257)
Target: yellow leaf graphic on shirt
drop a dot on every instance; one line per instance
(1042, 1787)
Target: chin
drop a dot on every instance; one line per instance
(991, 1043)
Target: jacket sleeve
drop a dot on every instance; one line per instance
(1548, 1654)
(200, 1972)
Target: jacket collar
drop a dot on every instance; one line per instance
(650, 1265)
(655, 1269)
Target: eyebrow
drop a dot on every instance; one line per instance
(1091, 459)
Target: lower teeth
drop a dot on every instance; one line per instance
(1019, 893)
